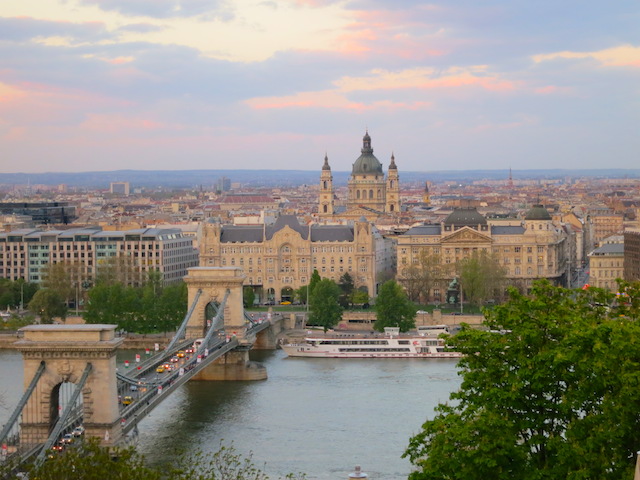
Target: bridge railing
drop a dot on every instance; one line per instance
(155, 394)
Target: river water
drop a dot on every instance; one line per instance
(317, 416)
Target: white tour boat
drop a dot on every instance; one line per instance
(387, 345)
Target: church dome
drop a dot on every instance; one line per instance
(538, 212)
(465, 217)
(366, 163)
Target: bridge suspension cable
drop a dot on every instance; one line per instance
(23, 401)
(61, 423)
(183, 326)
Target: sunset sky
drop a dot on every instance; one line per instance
(91, 85)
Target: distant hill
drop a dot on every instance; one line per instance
(270, 178)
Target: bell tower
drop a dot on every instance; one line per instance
(393, 188)
(325, 207)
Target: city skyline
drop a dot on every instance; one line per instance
(95, 85)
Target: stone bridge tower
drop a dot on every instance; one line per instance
(210, 285)
(66, 350)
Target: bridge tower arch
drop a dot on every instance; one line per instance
(65, 351)
(210, 285)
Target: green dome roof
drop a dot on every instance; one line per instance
(469, 217)
(366, 162)
(537, 212)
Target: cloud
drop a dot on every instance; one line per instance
(620, 56)
(383, 82)
(163, 8)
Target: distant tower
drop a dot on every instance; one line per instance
(510, 180)
(393, 188)
(426, 198)
(326, 189)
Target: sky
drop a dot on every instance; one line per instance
(95, 85)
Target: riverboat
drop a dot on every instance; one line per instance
(370, 346)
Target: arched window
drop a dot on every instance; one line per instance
(324, 207)
(391, 208)
(358, 194)
(371, 194)
(391, 184)
(324, 184)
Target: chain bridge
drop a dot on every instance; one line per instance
(72, 386)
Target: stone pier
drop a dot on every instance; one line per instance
(66, 351)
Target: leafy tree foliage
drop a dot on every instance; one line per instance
(325, 306)
(58, 278)
(481, 277)
(393, 308)
(150, 308)
(420, 278)
(48, 304)
(248, 297)
(347, 288)
(554, 395)
(13, 292)
(92, 462)
(315, 279)
(359, 297)
(301, 294)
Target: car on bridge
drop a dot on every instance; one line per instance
(78, 431)
(174, 359)
(67, 439)
(127, 400)
(160, 369)
(180, 354)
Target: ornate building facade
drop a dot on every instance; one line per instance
(280, 258)
(531, 249)
(370, 192)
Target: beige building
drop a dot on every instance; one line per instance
(279, 258)
(370, 193)
(531, 249)
(606, 264)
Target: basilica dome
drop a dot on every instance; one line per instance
(367, 163)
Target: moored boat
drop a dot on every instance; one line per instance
(388, 345)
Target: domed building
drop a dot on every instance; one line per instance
(370, 192)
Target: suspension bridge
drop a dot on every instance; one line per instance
(72, 386)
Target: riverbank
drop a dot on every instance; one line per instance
(131, 342)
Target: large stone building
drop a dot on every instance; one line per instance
(279, 258)
(632, 255)
(527, 249)
(370, 193)
(26, 253)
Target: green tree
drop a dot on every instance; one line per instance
(89, 461)
(394, 309)
(57, 277)
(555, 395)
(481, 278)
(48, 304)
(315, 279)
(347, 288)
(115, 304)
(359, 297)
(325, 306)
(301, 294)
(248, 297)
(420, 278)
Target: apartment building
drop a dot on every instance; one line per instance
(26, 253)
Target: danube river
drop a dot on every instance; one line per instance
(317, 416)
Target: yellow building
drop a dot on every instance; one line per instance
(532, 249)
(279, 258)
